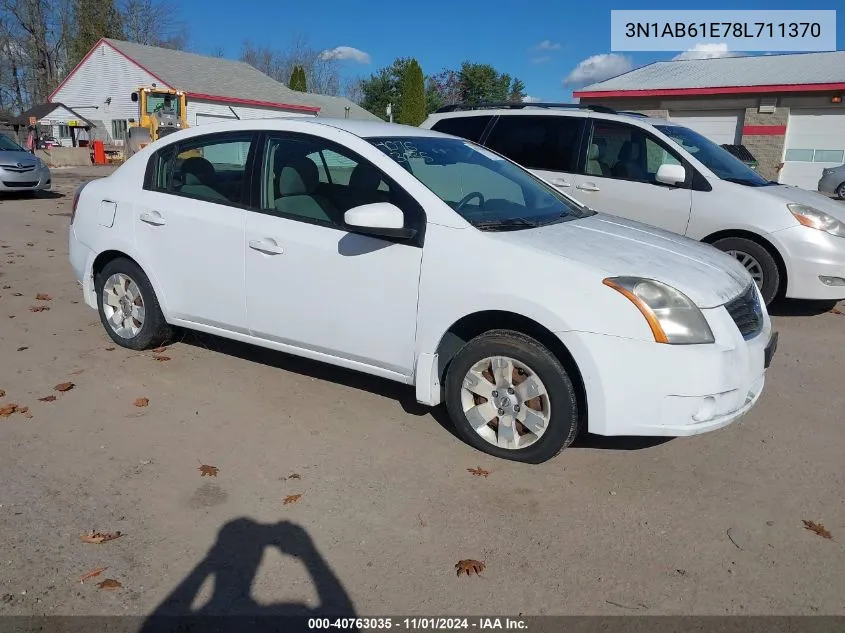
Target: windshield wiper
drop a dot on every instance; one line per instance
(508, 224)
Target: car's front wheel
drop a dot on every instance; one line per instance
(509, 396)
(128, 306)
(840, 191)
(758, 261)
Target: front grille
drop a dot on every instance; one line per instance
(18, 170)
(164, 131)
(746, 312)
(21, 184)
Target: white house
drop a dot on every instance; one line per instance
(218, 89)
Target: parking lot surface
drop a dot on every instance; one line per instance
(617, 526)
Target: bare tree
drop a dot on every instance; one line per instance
(321, 73)
(353, 89)
(154, 23)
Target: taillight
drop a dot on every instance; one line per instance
(76, 195)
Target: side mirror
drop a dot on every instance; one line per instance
(672, 175)
(134, 97)
(379, 218)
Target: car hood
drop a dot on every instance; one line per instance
(815, 199)
(619, 247)
(10, 157)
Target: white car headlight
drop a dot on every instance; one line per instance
(815, 219)
(671, 315)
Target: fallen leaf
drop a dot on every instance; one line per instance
(100, 537)
(41, 296)
(836, 311)
(292, 476)
(22, 348)
(64, 386)
(818, 528)
(50, 398)
(469, 567)
(159, 350)
(291, 499)
(109, 349)
(39, 308)
(141, 402)
(92, 574)
(24, 411)
(17, 294)
(2, 393)
(109, 584)
(7, 410)
(76, 372)
(162, 359)
(479, 471)
(208, 471)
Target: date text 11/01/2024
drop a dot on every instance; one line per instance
(419, 623)
(722, 30)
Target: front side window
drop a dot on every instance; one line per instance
(211, 168)
(485, 189)
(626, 152)
(717, 159)
(538, 142)
(311, 179)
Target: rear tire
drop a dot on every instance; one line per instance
(840, 191)
(523, 382)
(128, 307)
(759, 262)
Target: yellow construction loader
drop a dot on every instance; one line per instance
(161, 111)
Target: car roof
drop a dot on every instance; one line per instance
(549, 111)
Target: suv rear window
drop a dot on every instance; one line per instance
(468, 127)
(538, 142)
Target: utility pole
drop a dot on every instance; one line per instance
(389, 111)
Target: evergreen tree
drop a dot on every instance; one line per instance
(93, 19)
(297, 79)
(412, 109)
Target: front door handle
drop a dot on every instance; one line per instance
(266, 246)
(152, 217)
(588, 186)
(560, 182)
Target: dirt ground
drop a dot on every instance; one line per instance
(704, 525)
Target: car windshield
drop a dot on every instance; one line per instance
(162, 102)
(485, 189)
(717, 159)
(8, 145)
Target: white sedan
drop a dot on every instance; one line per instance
(431, 261)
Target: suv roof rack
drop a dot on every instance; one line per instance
(518, 105)
(631, 113)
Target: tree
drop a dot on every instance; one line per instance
(322, 71)
(384, 87)
(297, 79)
(93, 19)
(442, 89)
(482, 83)
(517, 92)
(154, 23)
(412, 107)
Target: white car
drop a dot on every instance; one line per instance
(792, 241)
(427, 260)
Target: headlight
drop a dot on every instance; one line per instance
(815, 219)
(671, 315)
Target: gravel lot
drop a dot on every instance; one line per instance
(704, 525)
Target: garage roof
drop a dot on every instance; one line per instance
(763, 73)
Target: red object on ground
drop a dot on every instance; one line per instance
(99, 153)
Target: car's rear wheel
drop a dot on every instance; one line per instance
(757, 260)
(129, 309)
(509, 396)
(840, 191)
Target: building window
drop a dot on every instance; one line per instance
(118, 129)
(829, 156)
(799, 155)
(64, 131)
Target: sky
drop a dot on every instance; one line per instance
(554, 46)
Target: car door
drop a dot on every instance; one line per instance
(547, 145)
(189, 224)
(619, 177)
(313, 285)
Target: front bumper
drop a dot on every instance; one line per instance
(810, 254)
(646, 388)
(38, 179)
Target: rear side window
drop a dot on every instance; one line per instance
(538, 142)
(468, 127)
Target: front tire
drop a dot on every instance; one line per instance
(840, 191)
(509, 396)
(758, 261)
(128, 307)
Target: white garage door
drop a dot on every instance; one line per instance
(720, 126)
(815, 139)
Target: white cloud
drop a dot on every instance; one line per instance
(530, 99)
(542, 59)
(706, 51)
(598, 68)
(347, 52)
(546, 45)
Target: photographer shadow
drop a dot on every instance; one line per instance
(233, 563)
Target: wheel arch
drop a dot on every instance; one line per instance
(762, 241)
(109, 255)
(468, 327)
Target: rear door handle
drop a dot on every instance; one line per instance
(588, 186)
(266, 246)
(559, 182)
(152, 217)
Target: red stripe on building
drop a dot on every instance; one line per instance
(764, 130)
(722, 90)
